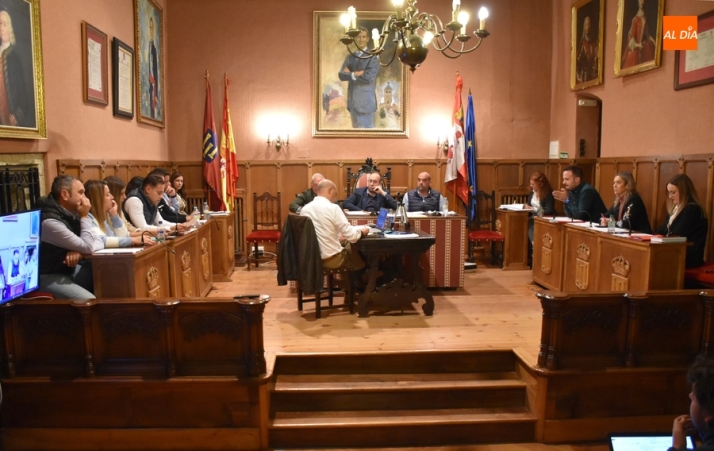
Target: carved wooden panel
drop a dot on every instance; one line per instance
(153, 282)
(186, 275)
(205, 259)
(582, 267)
(621, 271)
(547, 254)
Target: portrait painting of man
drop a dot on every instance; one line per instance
(355, 94)
(587, 38)
(21, 102)
(639, 36)
(149, 57)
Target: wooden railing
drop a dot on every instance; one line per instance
(656, 329)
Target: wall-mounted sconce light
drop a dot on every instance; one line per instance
(278, 142)
(443, 143)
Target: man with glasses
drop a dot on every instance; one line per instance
(371, 198)
(306, 196)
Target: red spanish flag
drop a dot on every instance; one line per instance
(211, 160)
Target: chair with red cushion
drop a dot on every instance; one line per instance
(700, 277)
(266, 226)
(483, 226)
(359, 180)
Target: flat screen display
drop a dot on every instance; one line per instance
(643, 442)
(19, 254)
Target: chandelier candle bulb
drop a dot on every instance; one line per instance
(463, 20)
(482, 15)
(375, 37)
(455, 9)
(353, 17)
(345, 21)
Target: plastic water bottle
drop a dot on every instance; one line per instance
(161, 233)
(445, 210)
(205, 208)
(611, 224)
(195, 213)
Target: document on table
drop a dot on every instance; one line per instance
(356, 213)
(401, 235)
(120, 250)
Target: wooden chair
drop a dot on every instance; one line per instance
(483, 226)
(266, 225)
(509, 197)
(359, 179)
(297, 225)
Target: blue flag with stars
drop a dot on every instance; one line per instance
(470, 156)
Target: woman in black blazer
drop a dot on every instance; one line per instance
(628, 209)
(686, 218)
(542, 200)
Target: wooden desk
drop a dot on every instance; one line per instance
(513, 225)
(576, 258)
(144, 274)
(399, 292)
(190, 268)
(443, 265)
(222, 247)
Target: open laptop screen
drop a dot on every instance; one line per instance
(645, 441)
(381, 218)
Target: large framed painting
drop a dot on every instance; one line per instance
(588, 22)
(696, 67)
(149, 48)
(638, 46)
(353, 96)
(22, 98)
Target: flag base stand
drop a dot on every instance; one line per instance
(470, 265)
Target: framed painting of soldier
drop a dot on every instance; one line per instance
(638, 46)
(588, 22)
(149, 50)
(355, 95)
(22, 100)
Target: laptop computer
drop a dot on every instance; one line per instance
(380, 223)
(645, 441)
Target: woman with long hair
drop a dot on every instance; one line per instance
(105, 216)
(627, 209)
(541, 200)
(117, 187)
(176, 181)
(686, 218)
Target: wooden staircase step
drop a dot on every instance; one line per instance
(387, 382)
(393, 418)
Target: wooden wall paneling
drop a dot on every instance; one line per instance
(192, 174)
(295, 179)
(645, 178)
(698, 171)
(667, 170)
(401, 179)
(508, 175)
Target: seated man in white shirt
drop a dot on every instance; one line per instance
(66, 237)
(141, 206)
(331, 226)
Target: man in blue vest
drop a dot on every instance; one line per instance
(423, 198)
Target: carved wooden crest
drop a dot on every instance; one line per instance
(185, 261)
(546, 254)
(582, 267)
(152, 282)
(186, 279)
(547, 241)
(620, 271)
(205, 260)
(498, 225)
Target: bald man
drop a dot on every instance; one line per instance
(423, 198)
(330, 224)
(308, 195)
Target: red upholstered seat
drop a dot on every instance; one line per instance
(271, 236)
(703, 275)
(37, 295)
(485, 235)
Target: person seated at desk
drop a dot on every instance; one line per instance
(686, 218)
(423, 198)
(371, 198)
(169, 204)
(142, 206)
(66, 236)
(176, 182)
(701, 408)
(118, 187)
(580, 199)
(306, 196)
(331, 226)
(628, 209)
(541, 201)
(106, 221)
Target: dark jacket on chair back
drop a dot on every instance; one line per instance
(51, 256)
(299, 255)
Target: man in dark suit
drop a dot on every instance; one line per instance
(361, 75)
(371, 198)
(580, 199)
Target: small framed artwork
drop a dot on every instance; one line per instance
(638, 46)
(22, 114)
(354, 95)
(588, 22)
(122, 79)
(696, 67)
(149, 47)
(95, 88)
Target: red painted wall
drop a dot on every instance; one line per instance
(642, 113)
(266, 49)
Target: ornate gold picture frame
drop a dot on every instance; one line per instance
(374, 103)
(149, 48)
(23, 115)
(588, 23)
(638, 46)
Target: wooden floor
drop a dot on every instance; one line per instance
(495, 310)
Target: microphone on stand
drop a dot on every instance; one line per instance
(589, 217)
(162, 243)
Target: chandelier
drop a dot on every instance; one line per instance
(412, 32)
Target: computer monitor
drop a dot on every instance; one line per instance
(381, 218)
(19, 254)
